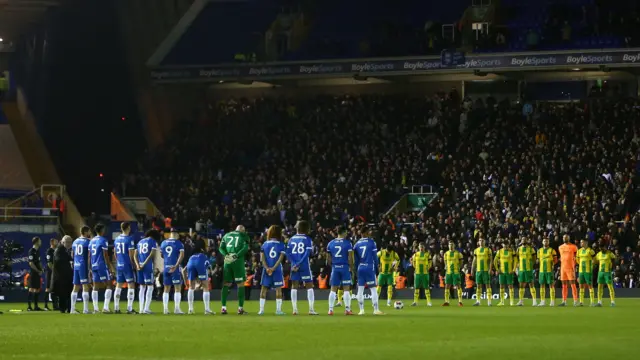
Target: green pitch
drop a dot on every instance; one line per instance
(435, 333)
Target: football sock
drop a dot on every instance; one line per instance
(262, 301)
(46, 299)
(190, 298)
(574, 292)
(165, 301)
(278, 305)
(85, 301)
(581, 296)
(360, 297)
(340, 295)
(416, 295)
(427, 293)
(543, 292)
(225, 293)
(116, 297)
(552, 293)
(107, 298)
(612, 293)
(94, 298)
(459, 294)
(29, 298)
(206, 299)
(534, 295)
(374, 300)
(311, 297)
(600, 292)
(74, 299)
(447, 294)
(241, 290)
(389, 293)
(521, 294)
(347, 300)
(565, 292)
(147, 303)
(177, 297)
(479, 293)
(489, 294)
(36, 297)
(332, 300)
(501, 295)
(591, 294)
(294, 300)
(511, 295)
(131, 297)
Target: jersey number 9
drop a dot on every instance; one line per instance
(168, 250)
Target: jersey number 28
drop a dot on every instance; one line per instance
(298, 248)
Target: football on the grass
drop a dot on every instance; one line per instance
(398, 305)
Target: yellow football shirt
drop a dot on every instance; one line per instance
(421, 262)
(605, 260)
(483, 258)
(387, 258)
(525, 258)
(504, 261)
(452, 260)
(584, 259)
(547, 257)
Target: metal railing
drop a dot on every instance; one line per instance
(421, 189)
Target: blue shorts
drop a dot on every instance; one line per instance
(197, 271)
(340, 277)
(174, 278)
(80, 277)
(125, 275)
(303, 274)
(275, 280)
(366, 277)
(101, 275)
(145, 277)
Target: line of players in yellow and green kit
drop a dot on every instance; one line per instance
(507, 262)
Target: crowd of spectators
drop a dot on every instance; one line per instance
(567, 169)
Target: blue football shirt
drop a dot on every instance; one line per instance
(80, 249)
(366, 253)
(298, 250)
(97, 245)
(272, 250)
(339, 250)
(122, 245)
(171, 249)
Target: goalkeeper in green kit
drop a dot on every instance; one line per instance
(233, 247)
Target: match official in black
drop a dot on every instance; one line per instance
(50, 251)
(35, 274)
(62, 275)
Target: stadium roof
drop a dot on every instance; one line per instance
(17, 15)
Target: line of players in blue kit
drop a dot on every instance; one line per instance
(92, 272)
(344, 257)
(90, 266)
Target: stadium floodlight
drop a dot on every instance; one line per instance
(0, 39)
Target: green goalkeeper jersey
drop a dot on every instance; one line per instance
(235, 242)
